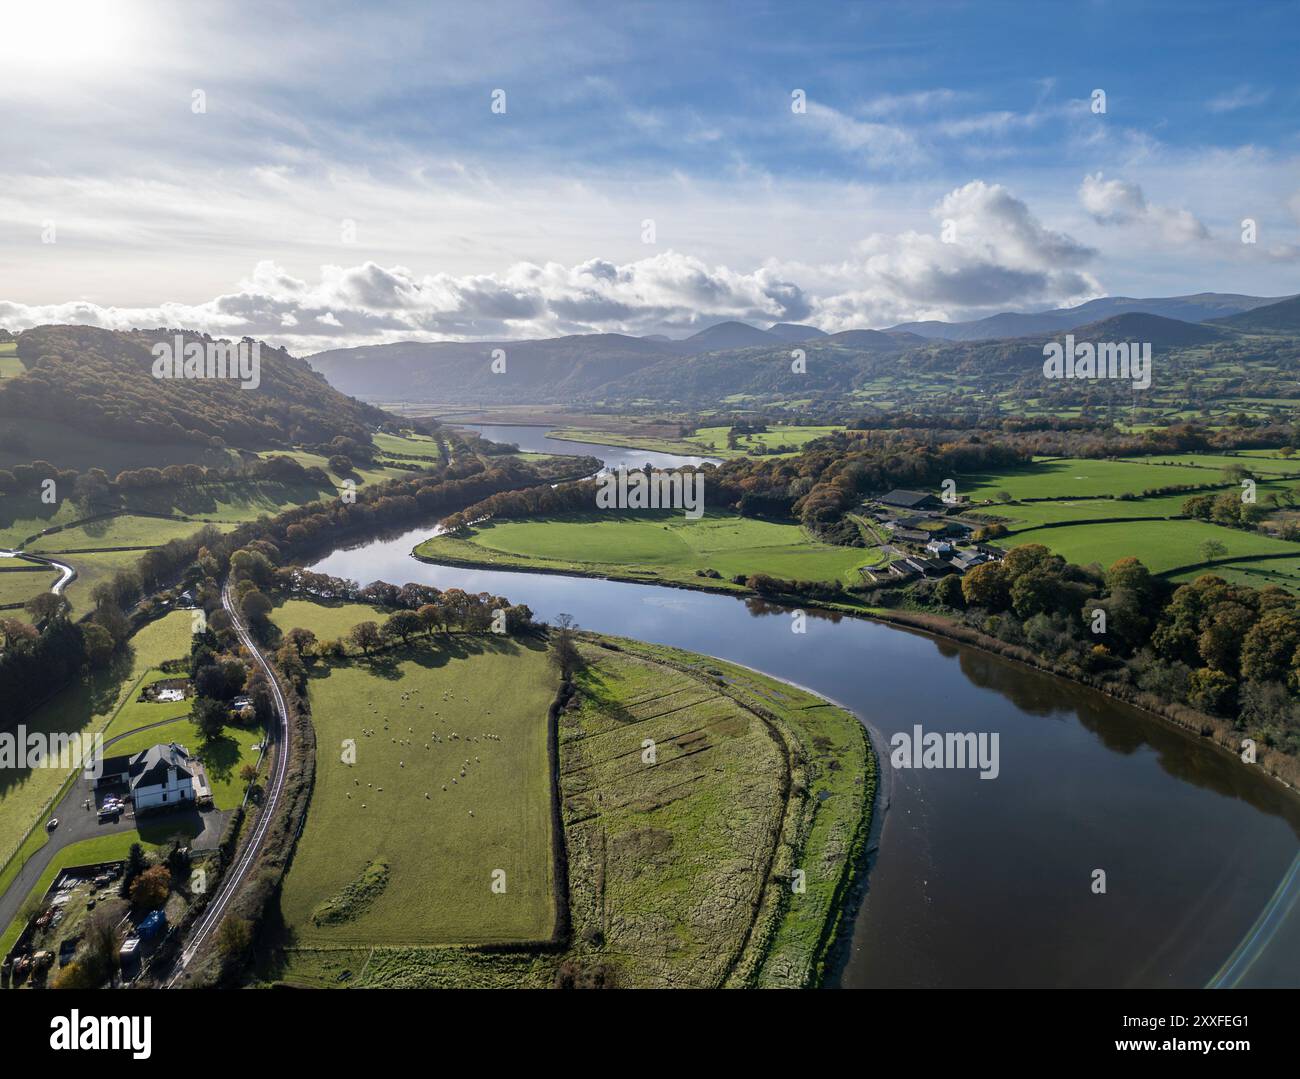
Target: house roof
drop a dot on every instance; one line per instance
(149, 767)
(111, 766)
(907, 499)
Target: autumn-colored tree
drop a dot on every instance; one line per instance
(366, 636)
(151, 888)
(986, 586)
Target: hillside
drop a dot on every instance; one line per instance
(454, 371)
(1160, 332)
(82, 379)
(1281, 318)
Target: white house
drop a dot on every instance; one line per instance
(162, 777)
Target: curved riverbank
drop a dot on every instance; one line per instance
(1278, 766)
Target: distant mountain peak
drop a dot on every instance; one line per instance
(793, 331)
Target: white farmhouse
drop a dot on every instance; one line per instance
(161, 777)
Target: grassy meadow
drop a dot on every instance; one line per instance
(1076, 477)
(1161, 545)
(438, 826)
(654, 547)
(678, 867)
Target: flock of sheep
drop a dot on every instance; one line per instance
(434, 738)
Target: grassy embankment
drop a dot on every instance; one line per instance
(678, 871)
(659, 548)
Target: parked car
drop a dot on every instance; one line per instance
(52, 823)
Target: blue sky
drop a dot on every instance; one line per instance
(346, 180)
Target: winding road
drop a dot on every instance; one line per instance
(66, 572)
(234, 878)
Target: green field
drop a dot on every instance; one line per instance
(91, 569)
(654, 546)
(429, 709)
(1261, 462)
(1075, 477)
(677, 867)
(18, 586)
(705, 441)
(325, 619)
(1160, 545)
(714, 439)
(83, 708)
(110, 532)
(408, 445)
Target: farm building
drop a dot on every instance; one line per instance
(909, 500)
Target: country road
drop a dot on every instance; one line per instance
(67, 573)
(235, 877)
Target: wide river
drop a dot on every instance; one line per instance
(983, 882)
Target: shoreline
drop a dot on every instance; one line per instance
(934, 626)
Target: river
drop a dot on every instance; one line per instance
(985, 882)
(535, 440)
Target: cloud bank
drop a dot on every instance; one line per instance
(989, 252)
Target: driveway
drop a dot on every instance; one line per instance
(76, 822)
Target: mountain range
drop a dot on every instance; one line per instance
(738, 358)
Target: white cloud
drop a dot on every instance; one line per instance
(1000, 256)
(1244, 96)
(879, 144)
(1118, 202)
(1111, 201)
